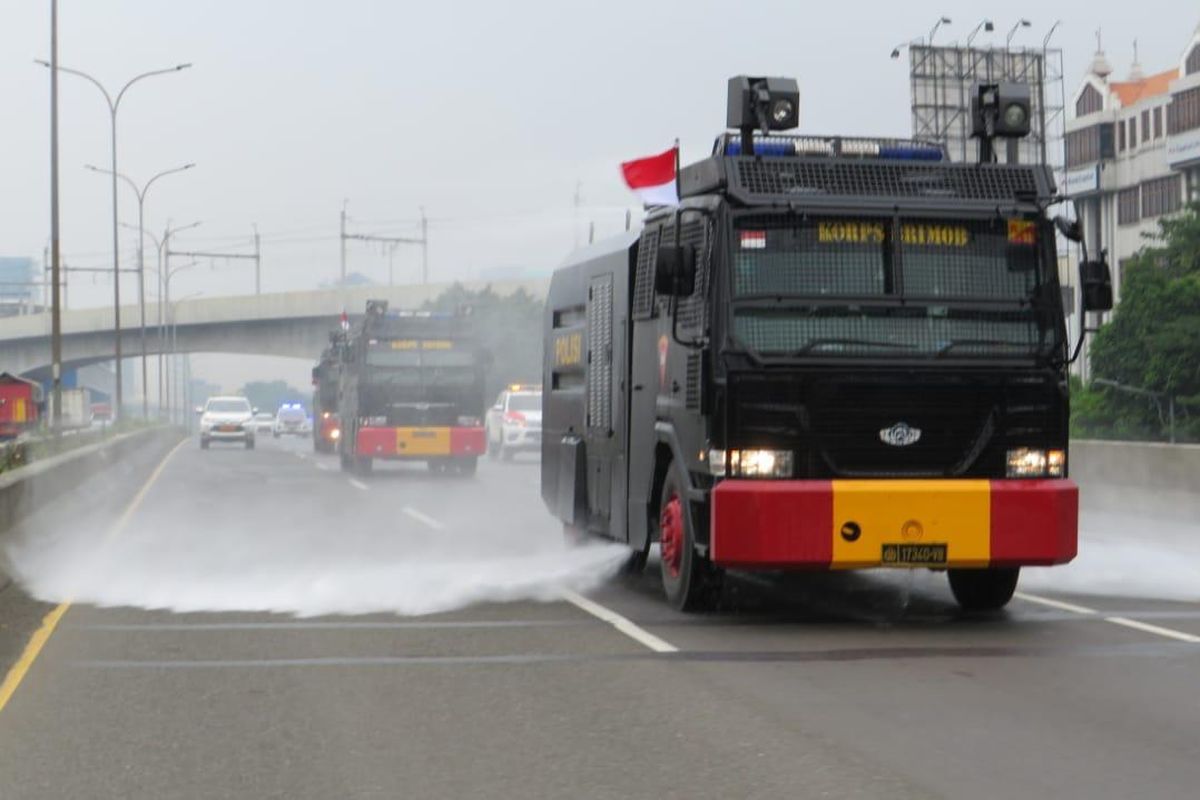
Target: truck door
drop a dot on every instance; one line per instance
(599, 398)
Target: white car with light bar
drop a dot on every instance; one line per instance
(227, 419)
(291, 420)
(514, 422)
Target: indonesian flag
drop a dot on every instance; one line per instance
(345, 321)
(653, 178)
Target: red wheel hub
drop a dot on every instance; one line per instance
(671, 538)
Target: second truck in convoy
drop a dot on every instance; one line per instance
(834, 353)
(411, 388)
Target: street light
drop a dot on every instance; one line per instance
(113, 106)
(941, 21)
(164, 286)
(1021, 23)
(173, 310)
(896, 50)
(984, 25)
(1049, 33)
(141, 196)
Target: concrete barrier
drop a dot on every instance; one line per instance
(1138, 478)
(28, 489)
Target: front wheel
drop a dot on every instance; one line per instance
(249, 444)
(983, 589)
(203, 444)
(690, 581)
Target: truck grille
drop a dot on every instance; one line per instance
(835, 422)
(846, 424)
(421, 415)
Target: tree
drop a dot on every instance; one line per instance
(509, 326)
(1153, 341)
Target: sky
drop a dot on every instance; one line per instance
(490, 116)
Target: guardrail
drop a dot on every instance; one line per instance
(1144, 478)
(27, 488)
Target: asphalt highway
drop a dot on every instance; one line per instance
(235, 635)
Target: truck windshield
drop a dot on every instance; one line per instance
(867, 286)
(417, 363)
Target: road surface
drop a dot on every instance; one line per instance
(817, 686)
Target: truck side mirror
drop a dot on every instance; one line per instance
(1069, 228)
(675, 270)
(1095, 280)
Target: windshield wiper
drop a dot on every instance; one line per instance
(815, 343)
(947, 347)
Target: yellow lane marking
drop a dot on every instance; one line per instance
(36, 642)
(34, 646)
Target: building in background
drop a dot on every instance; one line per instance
(1133, 151)
(16, 286)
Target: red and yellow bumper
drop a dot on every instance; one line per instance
(421, 443)
(850, 524)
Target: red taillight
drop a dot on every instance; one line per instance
(515, 417)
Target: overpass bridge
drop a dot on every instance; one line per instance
(293, 324)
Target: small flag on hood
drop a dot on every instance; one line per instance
(654, 178)
(345, 321)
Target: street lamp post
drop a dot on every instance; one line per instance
(984, 25)
(114, 104)
(141, 197)
(941, 21)
(1021, 23)
(173, 311)
(163, 276)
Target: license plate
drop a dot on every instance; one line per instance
(228, 428)
(914, 554)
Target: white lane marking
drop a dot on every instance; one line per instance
(424, 519)
(357, 484)
(623, 624)
(325, 467)
(1155, 629)
(1126, 622)
(1059, 604)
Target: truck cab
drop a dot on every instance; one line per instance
(834, 353)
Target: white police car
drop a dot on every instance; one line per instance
(514, 422)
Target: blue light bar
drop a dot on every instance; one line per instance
(768, 147)
(911, 153)
(730, 144)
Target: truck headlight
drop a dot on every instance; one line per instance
(335, 434)
(1034, 462)
(751, 463)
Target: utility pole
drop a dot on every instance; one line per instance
(55, 311)
(257, 261)
(578, 201)
(392, 241)
(343, 240)
(424, 247)
(255, 257)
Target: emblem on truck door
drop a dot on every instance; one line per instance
(900, 435)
